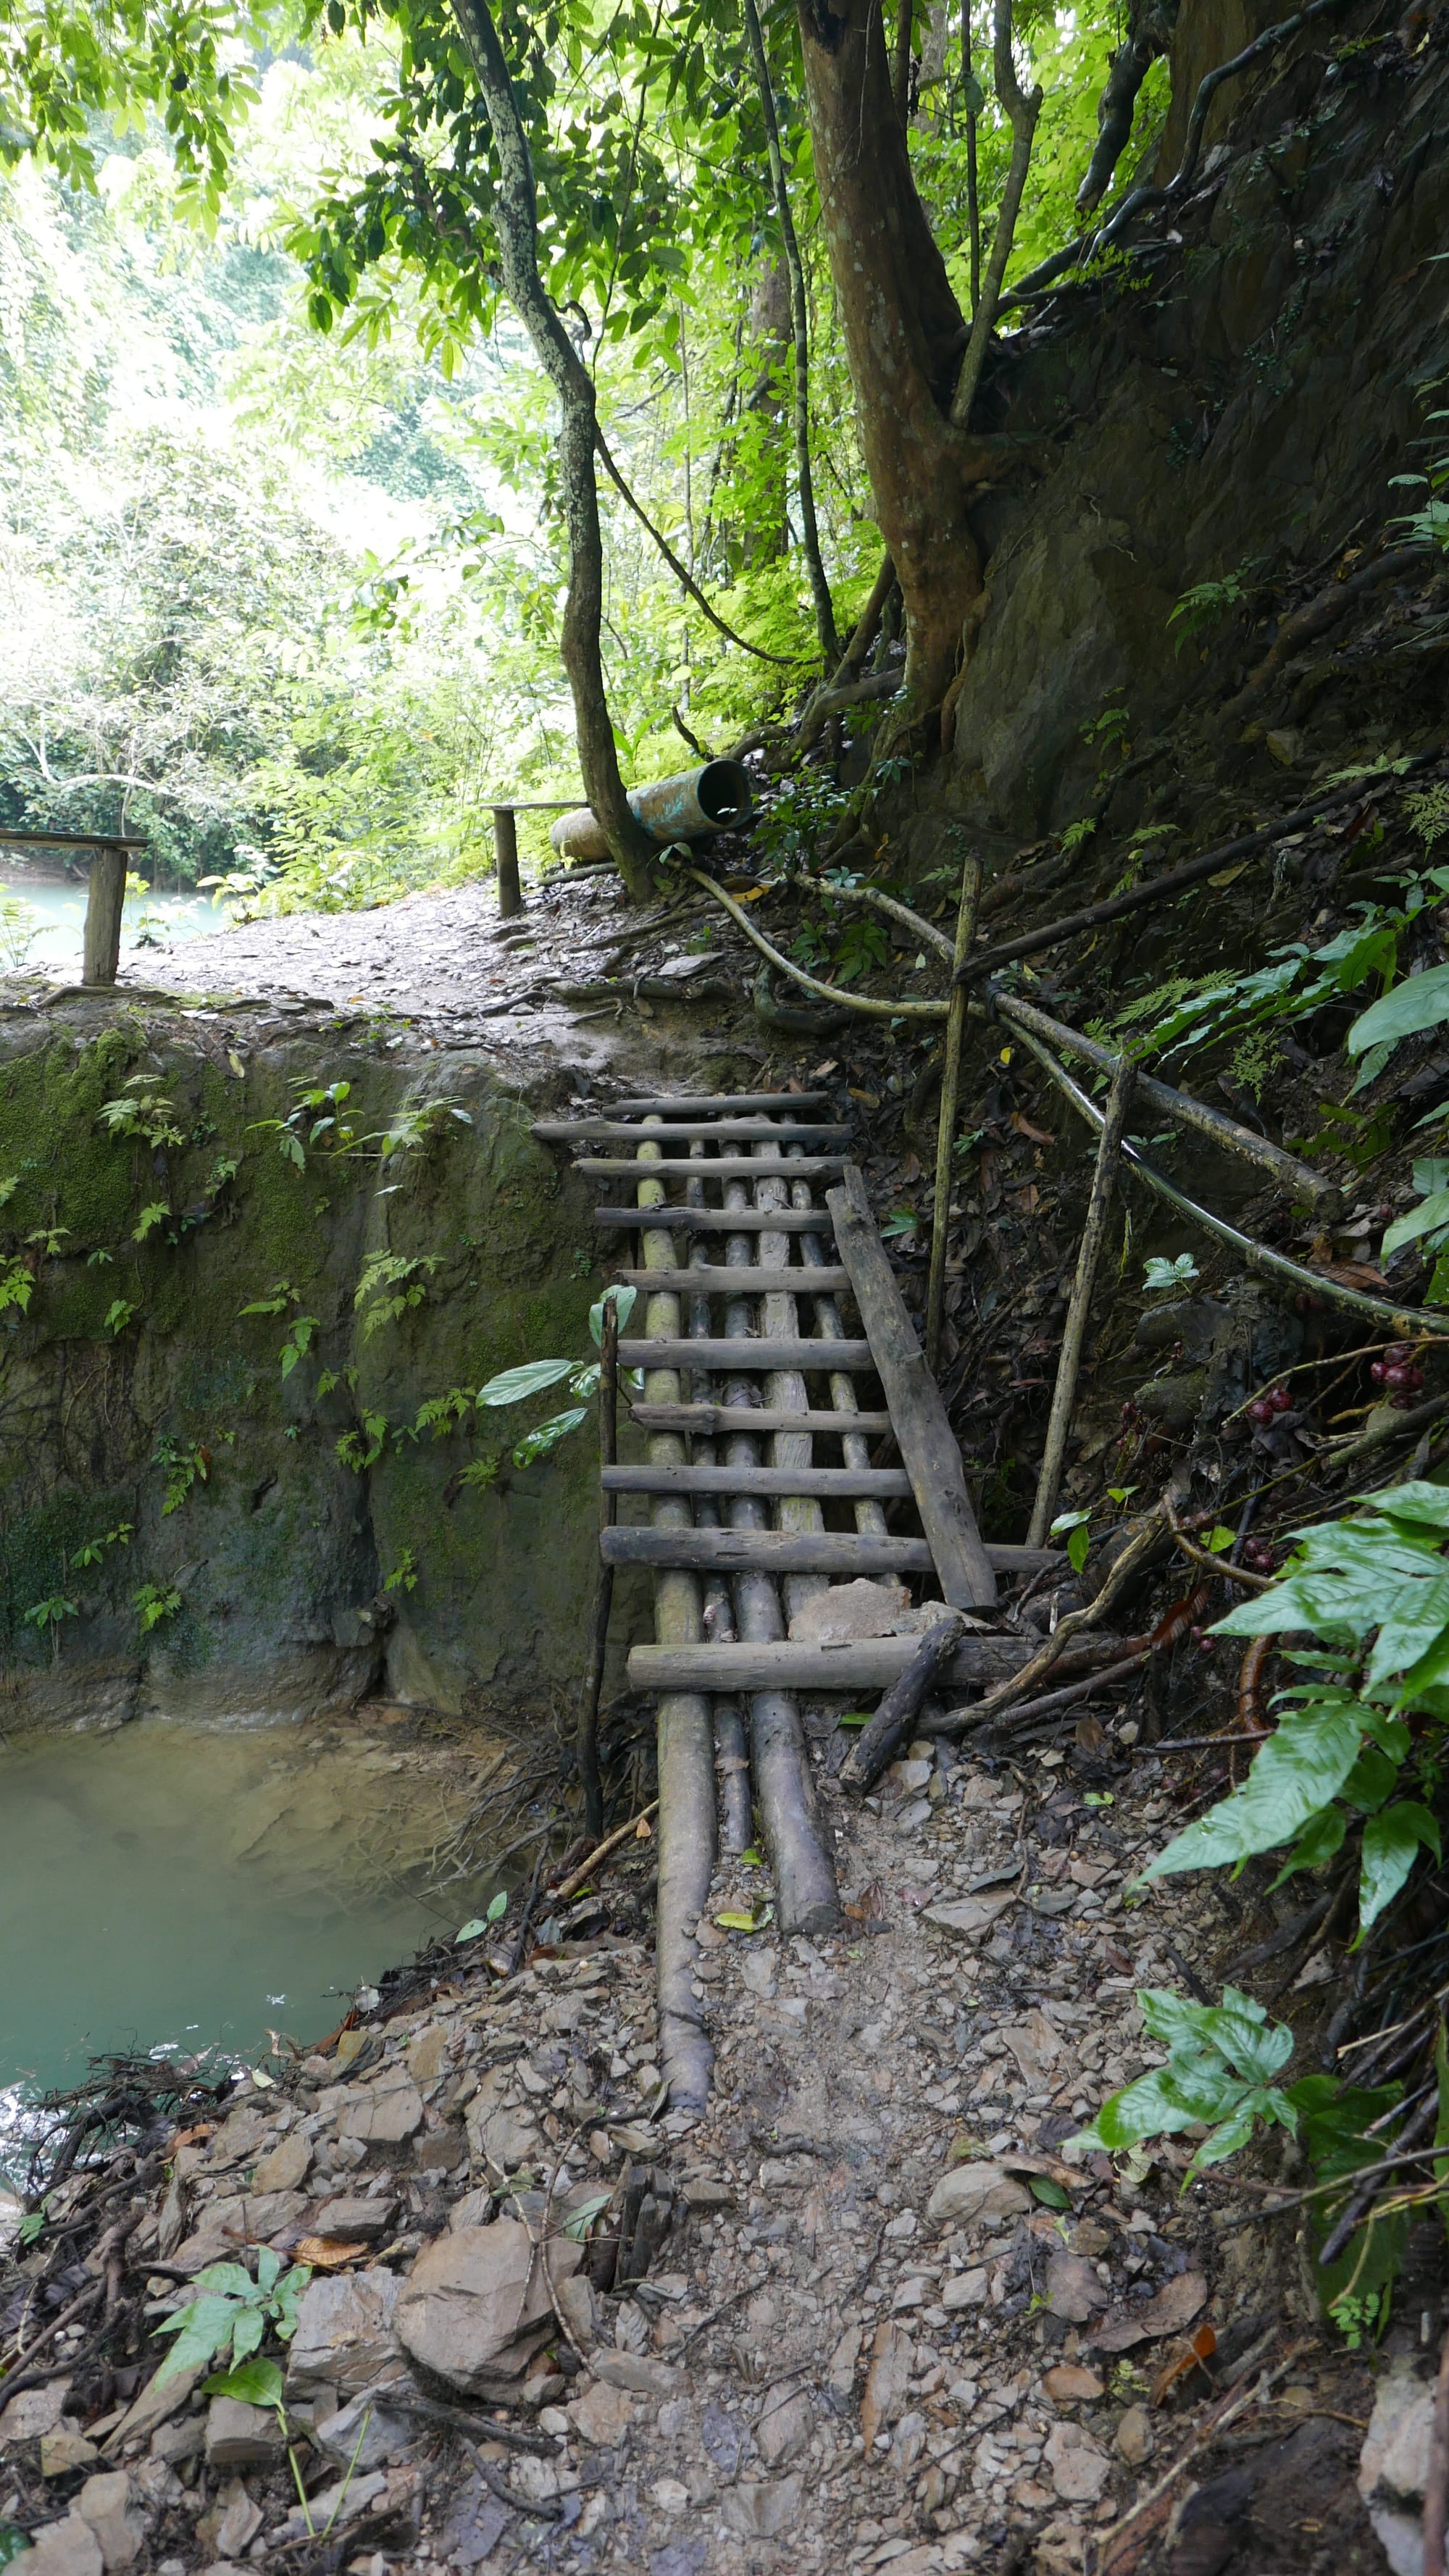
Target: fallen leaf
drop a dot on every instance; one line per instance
(892, 2354)
(1024, 1127)
(971, 1916)
(1174, 2307)
(327, 2253)
(1073, 2290)
(1198, 2348)
(643, 1831)
(193, 2137)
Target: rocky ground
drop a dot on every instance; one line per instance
(873, 2312)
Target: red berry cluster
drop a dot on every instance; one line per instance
(1260, 1556)
(1265, 1408)
(1398, 1370)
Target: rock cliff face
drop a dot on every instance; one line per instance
(269, 1503)
(1231, 397)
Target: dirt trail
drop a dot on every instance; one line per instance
(867, 2338)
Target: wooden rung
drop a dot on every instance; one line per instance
(826, 1483)
(866, 1664)
(724, 1551)
(705, 1419)
(726, 1103)
(731, 1356)
(683, 1220)
(798, 1552)
(719, 1167)
(744, 1282)
(719, 1131)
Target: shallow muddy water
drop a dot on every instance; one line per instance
(174, 1887)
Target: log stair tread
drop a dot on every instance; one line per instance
(745, 1354)
(826, 1484)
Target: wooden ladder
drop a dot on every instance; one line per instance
(759, 1418)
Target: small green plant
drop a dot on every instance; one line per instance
(416, 1127)
(1208, 602)
(91, 1550)
(901, 1226)
(406, 1279)
(404, 1576)
(48, 1614)
(185, 1463)
(1161, 1273)
(298, 1343)
(316, 1120)
(20, 927)
(233, 2313)
(143, 1111)
(1373, 1590)
(515, 1385)
(154, 1602)
(1075, 1527)
(361, 1448)
(1360, 2316)
(1111, 726)
(118, 1315)
(157, 1213)
(481, 1923)
(440, 1413)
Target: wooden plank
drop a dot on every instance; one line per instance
(681, 1220)
(823, 1482)
(719, 1167)
(719, 1131)
(728, 1551)
(865, 1664)
(706, 1281)
(927, 1443)
(698, 1104)
(747, 1354)
(706, 1419)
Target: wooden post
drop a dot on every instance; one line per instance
(505, 860)
(588, 1745)
(103, 916)
(1119, 1101)
(946, 1131)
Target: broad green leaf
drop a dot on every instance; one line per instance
(255, 2383)
(1079, 1548)
(1373, 1778)
(1317, 1843)
(497, 1906)
(621, 1298)
(1335, 2119)
(269, 2270)
(247, 2333)
(1049, 2193)
(1413, 1620)
(580, 2220)
(546, 1435)
(1420, 1002)
(1299, 1770)
(229, 2280)
(1391, 1844)
(516, 1384)
(1423, 1219)
(1419, 1501)
(471, 1930)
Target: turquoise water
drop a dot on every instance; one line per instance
(173, 1887)
(56, 914)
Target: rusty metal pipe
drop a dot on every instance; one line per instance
(684, 808)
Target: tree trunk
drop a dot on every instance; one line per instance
(800, 333)
(516, 214)
(903, 332)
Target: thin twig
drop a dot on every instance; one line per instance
(1215, 1564)
(1074, 1333)
(580, 1877)
(946, 1127)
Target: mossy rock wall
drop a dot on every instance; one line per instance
(134, 1351)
